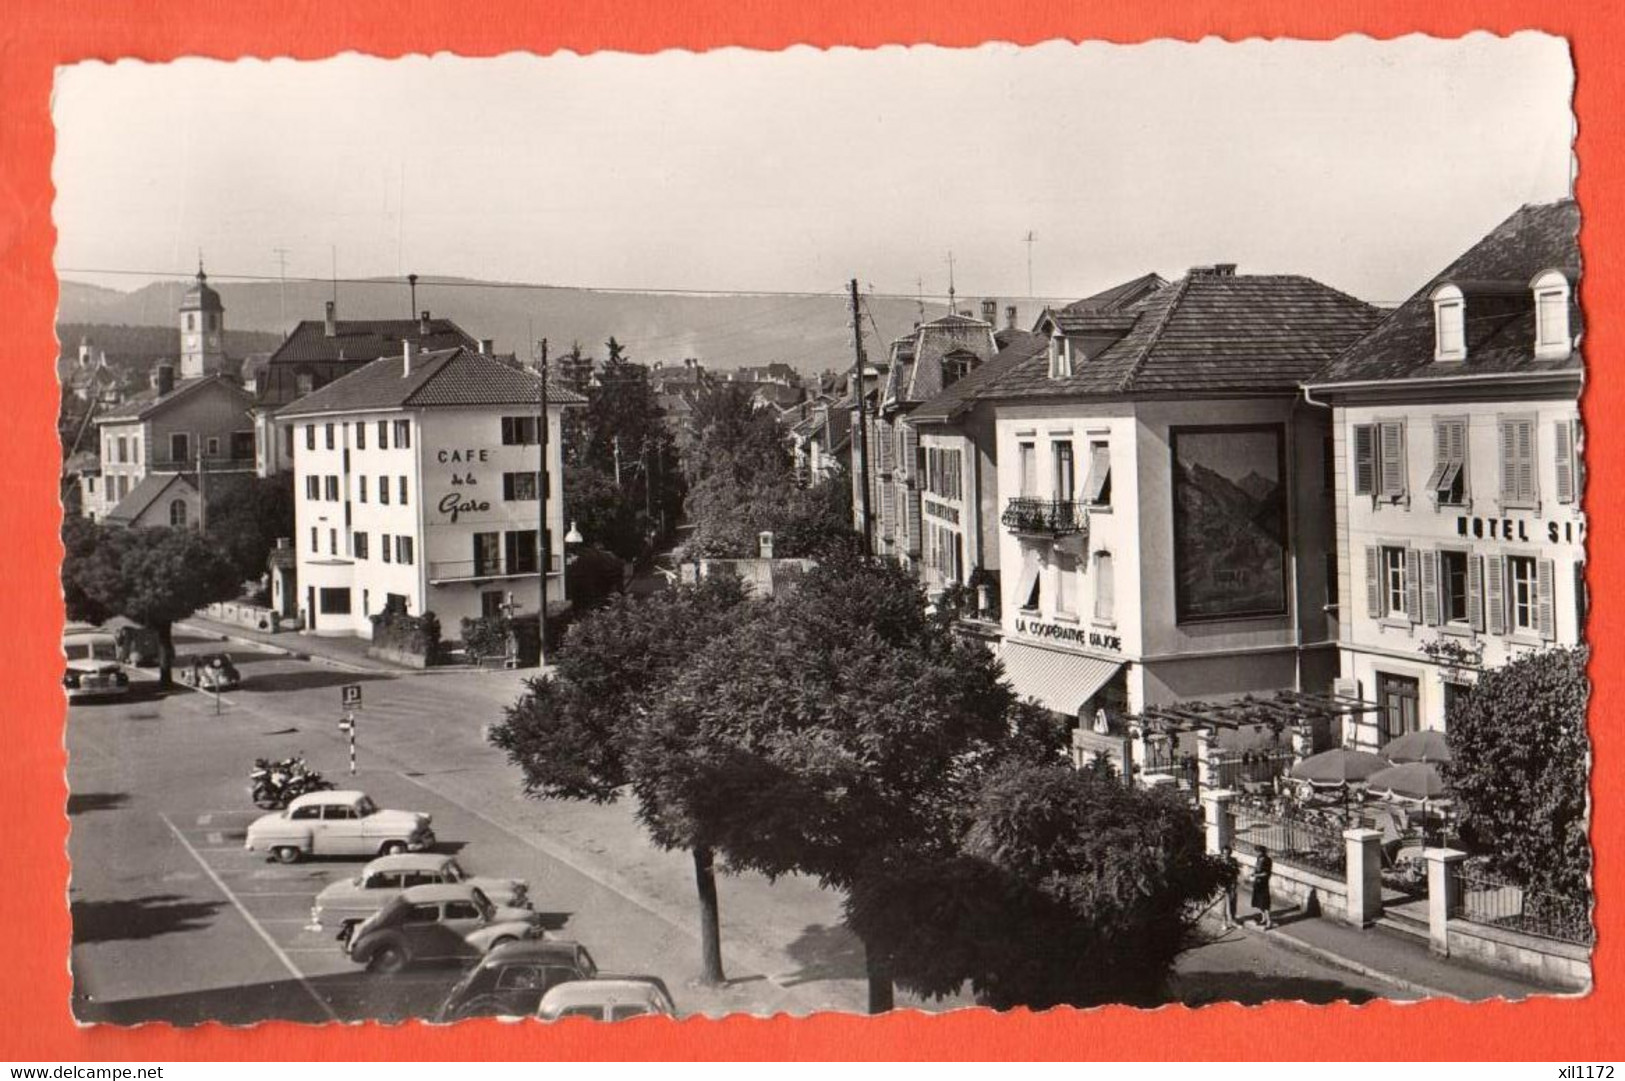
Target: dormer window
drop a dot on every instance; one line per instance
(1449, 324)
(1552, 341)
(1060, 357)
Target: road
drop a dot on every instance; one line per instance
(175, 921)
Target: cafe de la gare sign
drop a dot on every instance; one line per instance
(463, 498)
(1066, 632)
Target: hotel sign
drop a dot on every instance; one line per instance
(1520, 530)
(1066, 632)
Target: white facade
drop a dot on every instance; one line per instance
(1447, 553)
(434, 508)
(950, 521)
(1092, 618)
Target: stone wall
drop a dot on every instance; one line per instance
(245, 615)
(1546, 960)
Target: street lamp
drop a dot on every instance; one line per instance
(574, 536)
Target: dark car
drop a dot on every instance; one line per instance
(209, 672)
(511, 980)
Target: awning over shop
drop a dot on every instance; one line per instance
(1060, 681)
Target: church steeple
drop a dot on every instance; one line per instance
(203, 328)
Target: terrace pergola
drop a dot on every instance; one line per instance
(1283, 710)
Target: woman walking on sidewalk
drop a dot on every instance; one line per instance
(1262, 870)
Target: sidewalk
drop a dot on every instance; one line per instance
(1396, 959)
(345, 652)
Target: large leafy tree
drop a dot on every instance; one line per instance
(741, 483)
(1520, 754)
(845, 729)
(1069, 888)
(247, 518)
(584, 733)
(154, 576)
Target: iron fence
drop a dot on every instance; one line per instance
(1483, 898)
(1251, 769)
(1054, 517)
(1182, 770)
(1292, 840)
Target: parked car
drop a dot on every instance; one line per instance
(209, 672)
(511, 980)
(93, 669)
(138, 645)
(341, 823)
(351, 900)
(436, 923)
(607, 999)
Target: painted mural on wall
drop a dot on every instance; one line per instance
(1229, 521)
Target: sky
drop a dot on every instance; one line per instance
(1368, 165)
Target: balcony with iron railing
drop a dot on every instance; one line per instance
(484, 570)
(1045, 517)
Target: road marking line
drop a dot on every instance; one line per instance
(259, 929)
(273, 893)
(215, 838)
(217, 848)
(204, 820)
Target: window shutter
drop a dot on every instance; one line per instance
(1373, 582)
(888, 511)
(1441, 454)
(1475, 592)
(1495, 571)
(1391, 452)
(1413, 585)
(1545, 604)
(1509, 467)
(911, 454)
(1565, 462)
(1365, 469)
(913, 521)
(1430, 588)
(1526, 459)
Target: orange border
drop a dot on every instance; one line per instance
(38, 34)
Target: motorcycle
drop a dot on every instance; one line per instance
(274, 784)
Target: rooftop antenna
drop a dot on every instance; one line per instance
(1030, 239)
(951, 309)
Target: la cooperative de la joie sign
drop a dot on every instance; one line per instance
(1065, 632)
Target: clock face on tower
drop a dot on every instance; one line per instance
(214, 343)
(191, 343)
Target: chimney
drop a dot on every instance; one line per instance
(1224, 270)
(1010, 316)
(423, 324)
(164, 379)
(990, 311)
(486, 346)
(332, 329)
(406, 359)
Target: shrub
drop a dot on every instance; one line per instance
(416, 635)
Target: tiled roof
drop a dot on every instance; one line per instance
(1125, 295)
(366, 339)
(1501, 335)
(450, 377)
(146, 493)
(945, 406)
(1210, 333)
(932, 342)
(146, 403)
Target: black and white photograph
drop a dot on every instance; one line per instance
(853, 530)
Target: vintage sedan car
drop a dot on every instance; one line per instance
(209, 672)
(340, 823)
(511, 980)
(613, 998)
(93, 669)
(351, 900)
(436, 923)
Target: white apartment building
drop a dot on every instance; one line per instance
(1165, 510)
(1460, 530)
(418, 484)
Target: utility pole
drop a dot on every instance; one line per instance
(1030, 239)
(282, 282)
(543, 483)
(863, 423)
(412, 284)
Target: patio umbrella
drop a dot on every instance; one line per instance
(1424, 746)
(1340, 765)
(1409, 780)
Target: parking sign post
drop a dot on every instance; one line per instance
(351, 699)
